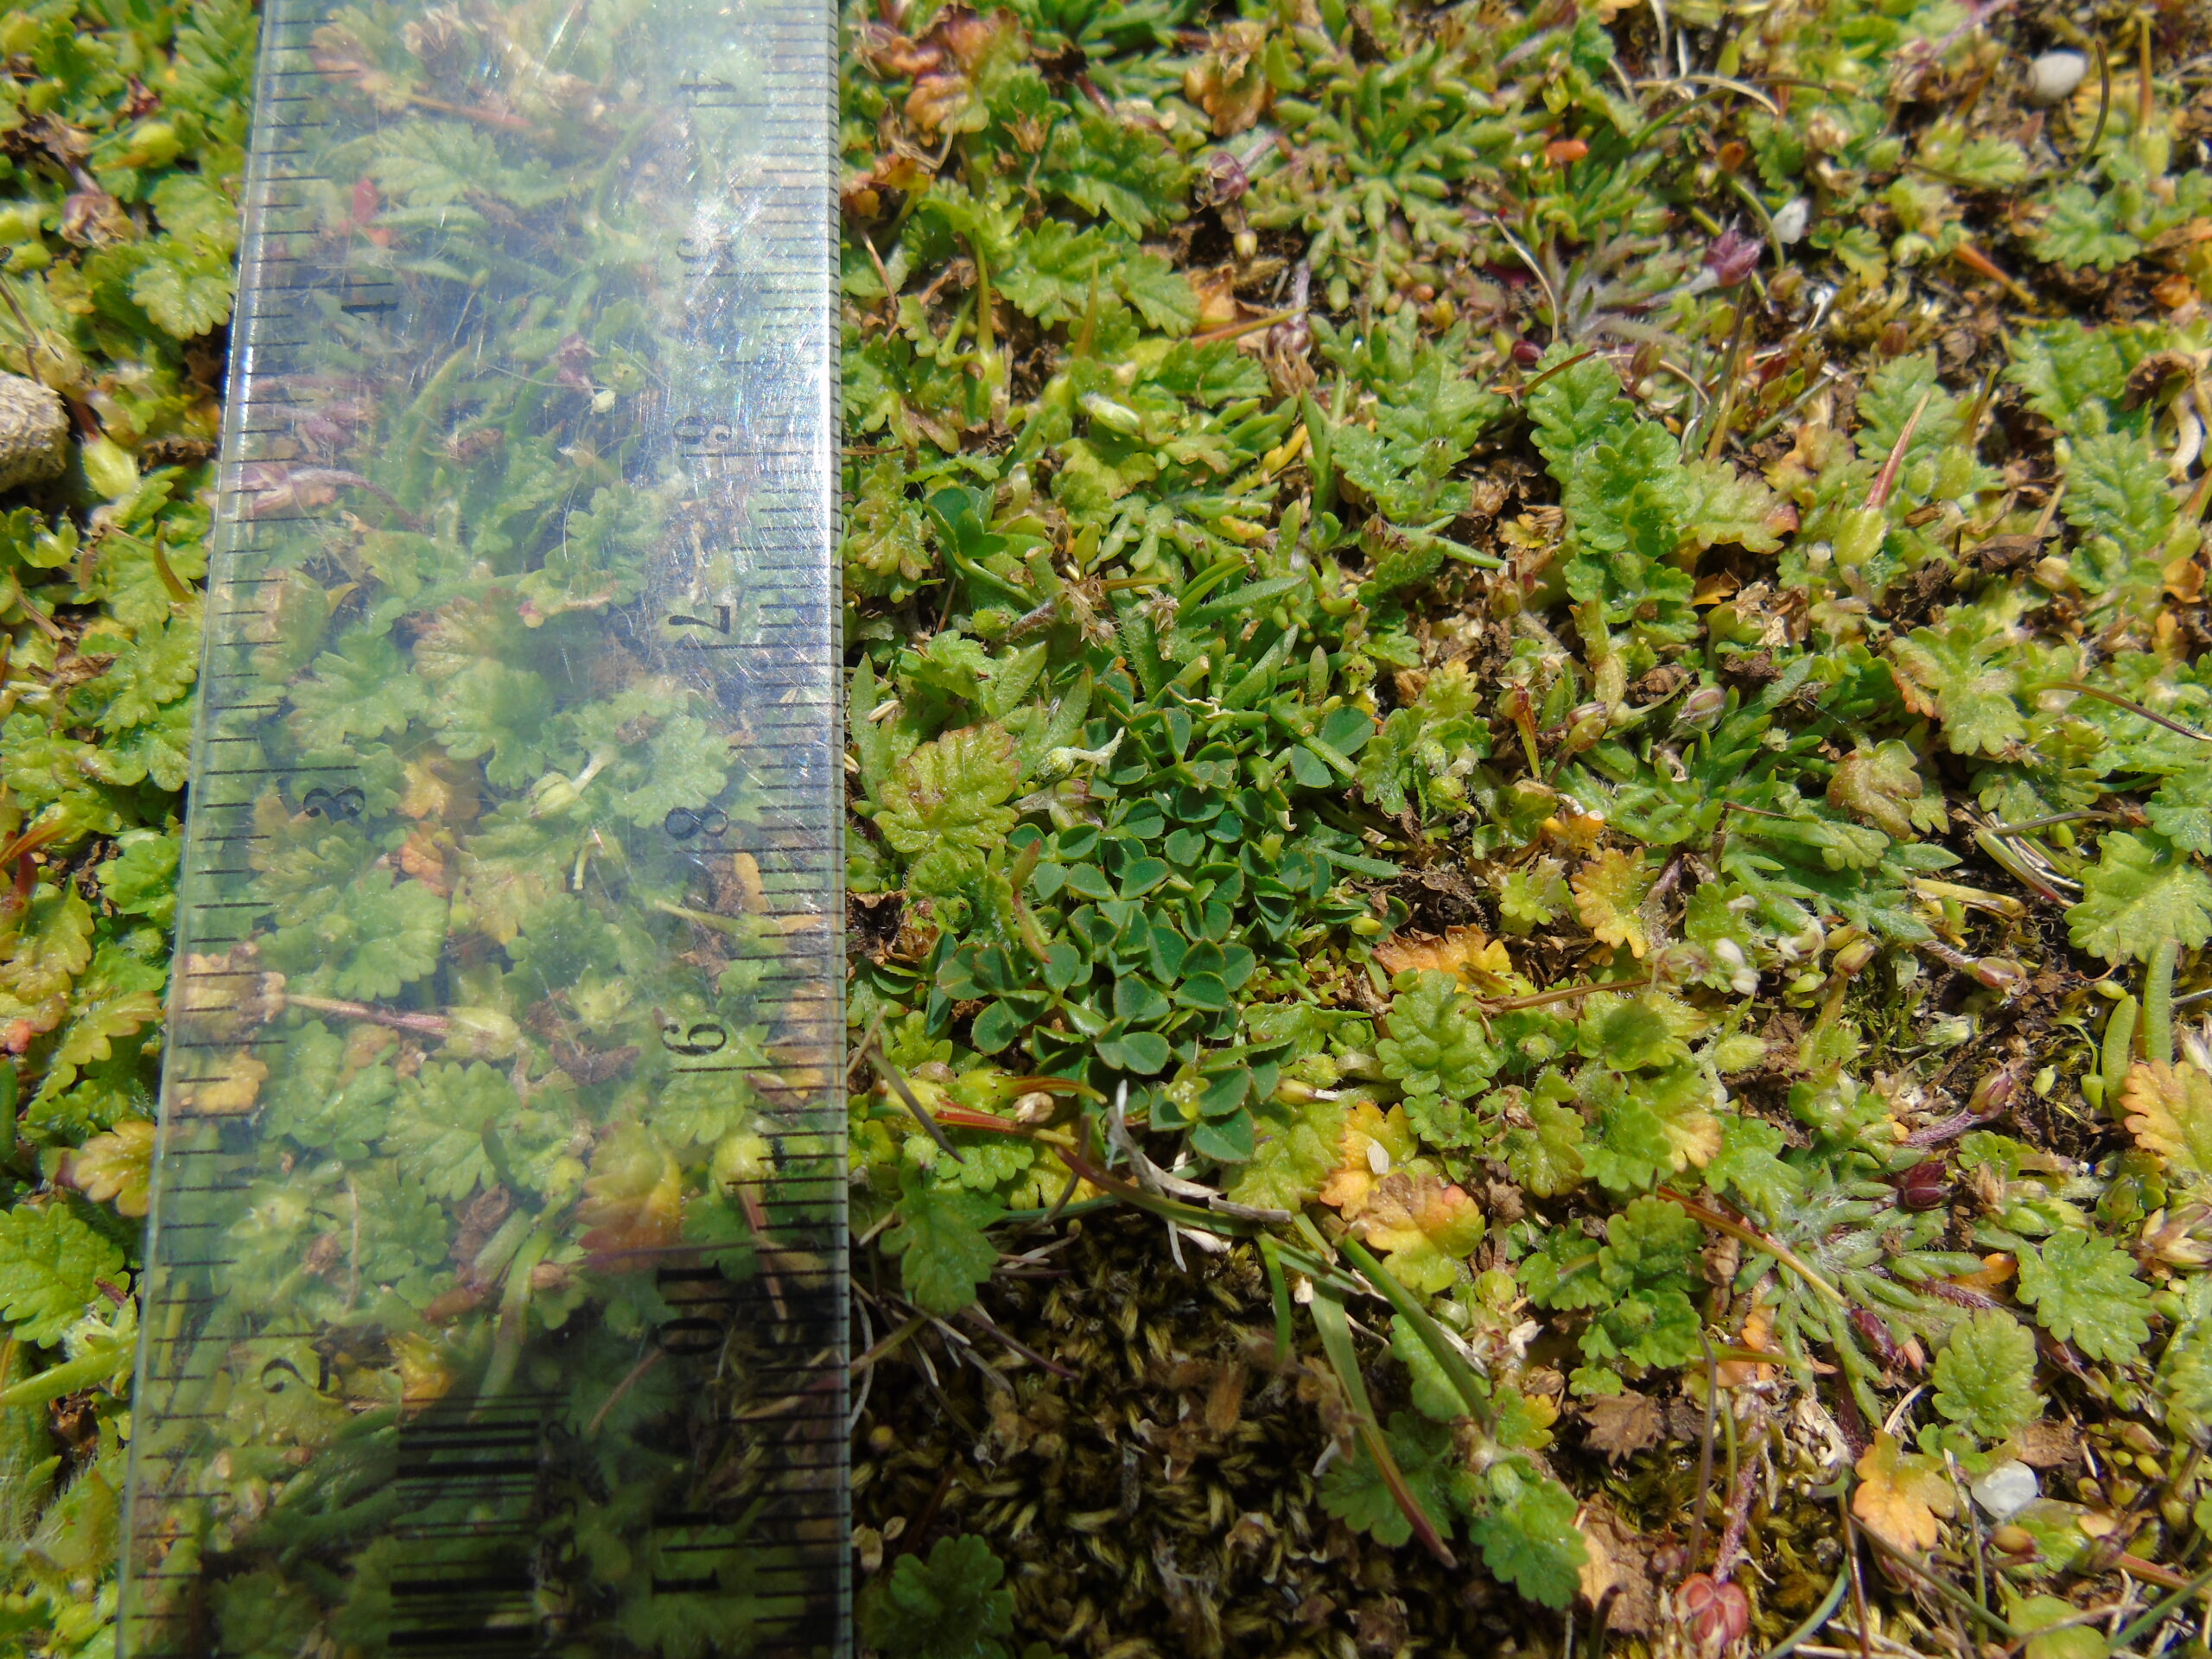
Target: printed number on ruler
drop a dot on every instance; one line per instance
(495, 1298)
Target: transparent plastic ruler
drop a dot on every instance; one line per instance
(495, 1295)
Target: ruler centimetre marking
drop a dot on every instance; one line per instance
(494, 1300)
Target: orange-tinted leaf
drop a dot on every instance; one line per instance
(115, 1166)
(633, 1198)
(1609, 892)
(1375, 1142)
(1426, 1226)
(2170, 1113)
(1901, 1495)
(1477, 959)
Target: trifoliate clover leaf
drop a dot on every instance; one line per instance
(1524, 1525)
(2084, 1290)
(1984, 1374)
(51, 1266)
(939, 1241)
(1355, 1492)
(2170, 1113)
(951, 1606)
(2141, 894)
(1437, 1044)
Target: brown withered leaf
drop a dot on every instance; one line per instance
(1633, 1609)
(1227, 82)
(2156, 377)
(2051, 1445)
(1621, 1424)
(2005, 552)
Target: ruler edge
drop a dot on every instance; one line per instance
(256, 183)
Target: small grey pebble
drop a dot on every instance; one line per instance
(2053, 77)
(34, 432)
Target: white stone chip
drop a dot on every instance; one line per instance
(2006, 1489)
(2053, 77)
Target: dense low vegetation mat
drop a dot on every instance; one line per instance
(1529, 784)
